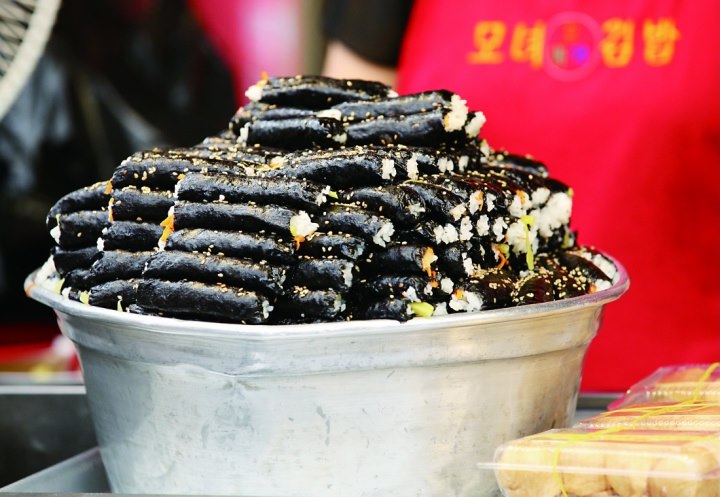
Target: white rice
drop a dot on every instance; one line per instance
(475, 301)
(472, 129)
(606, 266)
(341, 138)
(302, 225)
(428, 290)
(517, 237)
(466, 229)
(411, 294)
(517, 209)
(388, 169)
(178, 185)
(458, 211)
(440, 309)
(446, 234)
(485, 147)
(445, 165)
(412, 167)
(384, 234)
(483, 225)
(347, 274)
(556, 213)
(243, 136)
(322, 196)
(602, 285)
(266, 309)
(539, 196)
(392, 94)
(476, 201)
(47, 276)
(469, 302)
(55, 232)
(499, 228)
(100, 244)
(415, 209)
(462, 163)
(447, 285)
(455, 119)
(490, 201)
(330, 113)
(254, 93)
(468, 265)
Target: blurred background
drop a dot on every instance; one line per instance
(117, 76)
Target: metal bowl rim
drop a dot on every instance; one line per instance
(260, 332)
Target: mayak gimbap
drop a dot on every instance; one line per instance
(324, 200)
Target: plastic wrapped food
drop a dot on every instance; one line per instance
(623, 463)
(693, 416)
(691, 382)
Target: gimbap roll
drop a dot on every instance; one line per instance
(315, 92)
(322, 273)
(232, 244)
(302, 305)
(351, 219)
(297, 193)
(241, 273)
(343, 246)
(67, 260)
(294, 133)
(129, 235)
(79, 229)
(90, 198)
(140, 204)
(193, 300)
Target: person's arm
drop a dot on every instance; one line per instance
(342, 62)
(364, 38)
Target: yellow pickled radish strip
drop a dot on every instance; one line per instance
(422, 309)
(528, 222)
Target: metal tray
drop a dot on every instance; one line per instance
(85, 473)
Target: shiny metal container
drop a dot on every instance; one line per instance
(350, 409)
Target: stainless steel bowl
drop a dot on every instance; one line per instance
(363, 408)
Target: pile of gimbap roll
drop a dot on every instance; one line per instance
(325, 200)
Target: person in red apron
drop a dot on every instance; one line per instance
(622, 101)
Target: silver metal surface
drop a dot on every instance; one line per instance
(40, 425)
(356, 409)
(85, 472)
(81, 473)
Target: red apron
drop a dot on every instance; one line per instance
(622, 101)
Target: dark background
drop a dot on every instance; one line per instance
(116, 76)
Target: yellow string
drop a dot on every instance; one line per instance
(689, 407)
(704, 378)
(614, 433)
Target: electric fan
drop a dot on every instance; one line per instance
(24, 29)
